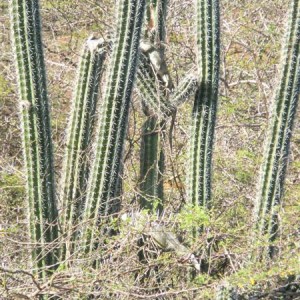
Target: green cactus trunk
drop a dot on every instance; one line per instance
(205, 105)
(152, 165)
(81, 126)
(281, 124)
(35, 123)
(101, 191)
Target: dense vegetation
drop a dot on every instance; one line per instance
(190, 240)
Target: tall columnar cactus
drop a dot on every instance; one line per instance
(205, 105)
(35, 123)
(277, 148)
(81, 126)
(113, 120)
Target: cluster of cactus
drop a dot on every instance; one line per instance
(86, 196)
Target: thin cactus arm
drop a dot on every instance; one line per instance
(205, 104)
(156, 20)
(154, 98)
(36, 130)
(153, 79)
(160, 19)
(80, 129)
(112, 125)
(186, 88)
(274, 167)
(149, 90)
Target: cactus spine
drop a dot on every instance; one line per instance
(113, 120)
(205, 104)
(276, 155)
(35, 123)
(81, 125)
